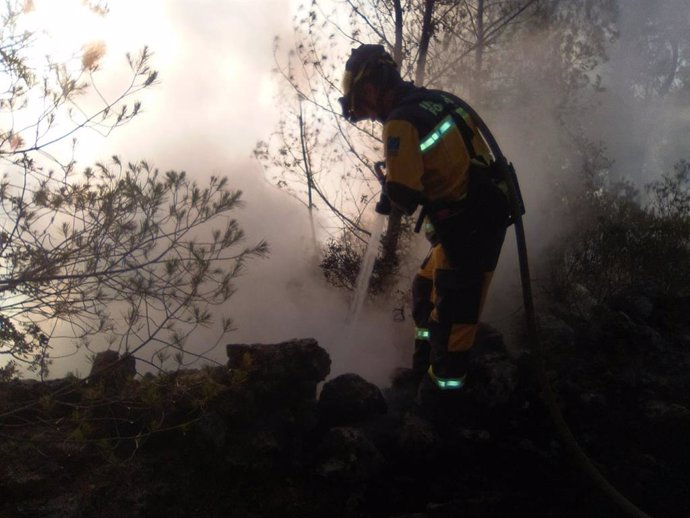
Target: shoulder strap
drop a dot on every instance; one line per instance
(445, 109)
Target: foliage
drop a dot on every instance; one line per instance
(341, 262)
(617, 241)
(670, 196)
(126, 237)
(29, 344)
(341, 258)
(87, 416)
(118, 254)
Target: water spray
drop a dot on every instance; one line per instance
(366, 268)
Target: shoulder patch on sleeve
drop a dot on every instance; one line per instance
(392, 146)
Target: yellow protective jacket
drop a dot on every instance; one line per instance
(428, 154)
(432, 147)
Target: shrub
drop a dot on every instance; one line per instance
(618, 241)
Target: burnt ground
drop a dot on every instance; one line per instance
(254, 439)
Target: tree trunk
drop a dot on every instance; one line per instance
(397, 49)
(479, 51)
(427, 31)
(305, 155)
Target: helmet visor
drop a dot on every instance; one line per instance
(345, 105)
(347, 101)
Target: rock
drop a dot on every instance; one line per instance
(650, 340)
(417, 439)
(294, 360)
(638, 306)
(212, 430)
(346, 454)
(272, 401)
(348, 399)
(555, 334)
(583, 303)
(112, 369)
(617, 331)
(671, 315)
(405, 379)
(621, 334)
(667, 412)
(492, 379)
(254, 449)
(275, 385)
(669, 425)
(489, 339)
(400, 396)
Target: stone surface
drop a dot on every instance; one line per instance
(346, 454)
(112, 369)
(349, 398)
(293, 360)
(418, 440)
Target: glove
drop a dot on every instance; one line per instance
(383, 206)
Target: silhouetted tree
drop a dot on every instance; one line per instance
(116, 254)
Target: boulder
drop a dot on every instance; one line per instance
(418, 441)
(555, 335)
(347, 455)
(669, 423)
(349, 399)
(637, 305)
(492, 380)
(489, 339)
(272, 401)
(112, 369)
(582, 301)
(297, 360)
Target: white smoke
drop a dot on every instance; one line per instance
(211, 107)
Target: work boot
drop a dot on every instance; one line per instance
(439, 406)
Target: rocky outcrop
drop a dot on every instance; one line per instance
(112, 370)
(256, 438)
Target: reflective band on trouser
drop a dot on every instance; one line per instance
(421, 333)
(446, 383)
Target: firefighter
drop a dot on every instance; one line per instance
(437, 159)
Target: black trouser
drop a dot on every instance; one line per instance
(450, 289)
